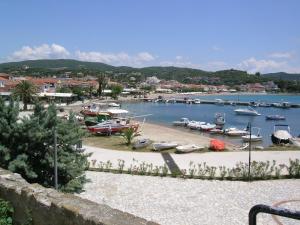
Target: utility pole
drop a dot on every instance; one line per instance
(55, 159)
(250, 140)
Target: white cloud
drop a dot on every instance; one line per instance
(44, 51)
(253, 65)
(284, 55)
(178, 57)
(115, 58)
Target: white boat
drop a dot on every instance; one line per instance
(247, 112)
(113, 104)
(182, 122)
(284, 105)
(142, 143)
(253, 137)
(295, 142)
(219, 101)
(216, 131)
(188, 148)
(281, 136)
(195, 125)
(197, 101)
(158, 146)
(207, 127)
(235, 132)
(219, 119)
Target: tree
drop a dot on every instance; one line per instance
(26, 147)
(102, 82)
(116, 90)
(25, 91)
(129, 134)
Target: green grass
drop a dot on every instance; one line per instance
(116, 142)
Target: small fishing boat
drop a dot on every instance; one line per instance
(281, 136)
(283, 105)
(275, 117)
(207, 127)
(159, 146)
(113, 104)
(243, 147)
(181, 122)
(188, 148)
(195, 125)
(219, 119)
(109, 127)
(247, 112)
(295, 141)
(254, 104)
(219, 101)
(253, 137)
(216, 131)
(142, 143)
(197, 101)
(232, 131)
(92, 120)
(264, 104)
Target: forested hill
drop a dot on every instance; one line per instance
(188, 75)
(283, 76)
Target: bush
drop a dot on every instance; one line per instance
(6, 212)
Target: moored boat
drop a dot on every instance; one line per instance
(253, 137)
(247, 112)
(182, 122)
(219, 119)
(235, 132)
(195, 125)
(275, 117)
(207, 127)
(188, 148)
(281, 136)
(197, 101)
(216, 131)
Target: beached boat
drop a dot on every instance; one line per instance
(275, 117)
(188, 148)
(111, 127)
(295, 141)
(159, 146)
(219, 119)
(216, 131)
(253, 137)
(235, 132)
(94, 120)
(195, 125)
(281, 136)
(247, 112)
(207, 127)
(182, 122)
(142, 143)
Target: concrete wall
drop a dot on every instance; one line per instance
(48, 207)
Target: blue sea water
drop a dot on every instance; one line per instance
(166, 113)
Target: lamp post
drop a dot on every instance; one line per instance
(55, 159)
(250, 140)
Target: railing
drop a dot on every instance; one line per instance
(271, 210)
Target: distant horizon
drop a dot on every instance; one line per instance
(142, 67)
(250, 35)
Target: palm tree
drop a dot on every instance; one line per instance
(25, 90)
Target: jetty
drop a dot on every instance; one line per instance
(216, 102)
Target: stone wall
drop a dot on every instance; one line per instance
(46, 206)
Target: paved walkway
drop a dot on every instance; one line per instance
(171, 201)
(228, 159)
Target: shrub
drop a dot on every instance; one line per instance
(6, 212)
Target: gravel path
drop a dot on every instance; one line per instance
(173, 201)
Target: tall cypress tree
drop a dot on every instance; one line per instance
(28, 147)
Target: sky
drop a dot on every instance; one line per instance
(252, 35)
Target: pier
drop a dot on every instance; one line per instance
(219, 102)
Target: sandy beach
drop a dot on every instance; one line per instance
(161, 133)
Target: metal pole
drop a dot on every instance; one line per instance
(55, 160)
(250, 140)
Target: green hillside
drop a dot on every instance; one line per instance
(187, 75)
(283, 76)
